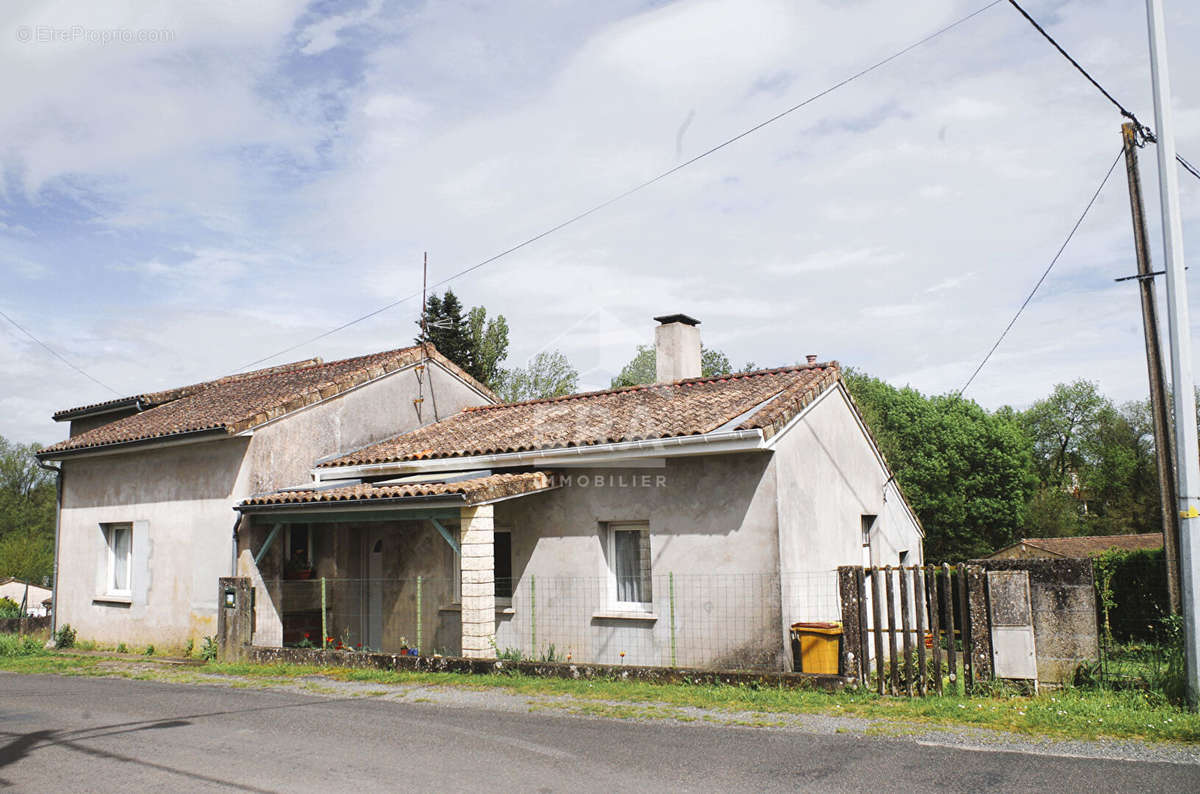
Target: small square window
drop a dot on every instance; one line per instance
(118, 540)
(629, 565)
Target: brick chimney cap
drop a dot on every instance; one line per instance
(677, 318)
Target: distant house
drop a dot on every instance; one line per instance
(36, 599)
(1077, 547)
(688, 521)
(148, 483)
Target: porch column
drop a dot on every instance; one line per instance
(478, 582)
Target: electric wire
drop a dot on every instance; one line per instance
(1145, 133)
(642, 186)
(55, 353)
(1045, 273)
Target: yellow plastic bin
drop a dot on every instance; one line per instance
(816, 647)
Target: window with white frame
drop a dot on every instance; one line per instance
(629, 565)
(118, 540)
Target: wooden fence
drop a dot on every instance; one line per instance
(912, 629)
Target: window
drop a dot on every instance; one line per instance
(868, 523)
(118, 539)
(298, 547)
(502, 549)
(629, 565)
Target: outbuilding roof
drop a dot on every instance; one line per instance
(471, 491)
(764, 400)
(239, 402)
(1089, 545)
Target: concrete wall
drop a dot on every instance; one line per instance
(712, 524)
(1065, 626)
(181, 499)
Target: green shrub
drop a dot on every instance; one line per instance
(208, 652)
(9, 608)
(121, 648)
(1131, 592)
(149, 650)
(14, 645)
(64, 637)
(190, 648)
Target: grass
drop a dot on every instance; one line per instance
(1071, 713)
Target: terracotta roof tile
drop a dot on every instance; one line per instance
(480, 489)
(684, 408)
(1091, 545)
(239, 402)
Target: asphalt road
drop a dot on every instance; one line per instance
(96, 734)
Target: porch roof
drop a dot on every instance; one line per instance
(474, 491)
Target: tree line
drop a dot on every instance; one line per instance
(1073, 463)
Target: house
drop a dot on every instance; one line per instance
(36, 600)
(1078, 547)
(148, 483)
(687, 522)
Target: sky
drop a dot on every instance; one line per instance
(188, 188)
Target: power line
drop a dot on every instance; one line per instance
(54, 353)
(1145, 132)
(1045, 273)
(643, 185)
(1142, 128)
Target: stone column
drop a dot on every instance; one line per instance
(478, 583)
(235, 630)
(852, 636)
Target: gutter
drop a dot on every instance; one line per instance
(451, 500)
(113, 447)
(679, 446)
(58, 490)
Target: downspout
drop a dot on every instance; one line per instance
(233, 555)
(58, 491)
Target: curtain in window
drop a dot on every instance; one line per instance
(121, 549)
(627, 548)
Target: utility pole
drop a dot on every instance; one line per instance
(1163, 445)
(1187, 452)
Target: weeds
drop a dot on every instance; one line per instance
(14, 645)
(208, 651)
(64, 637)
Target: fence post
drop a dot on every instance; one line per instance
(324, 624)
(864, 642)
(964, 628)
(876, 611)
(671, 587)
(419, 626)
(851, 622)
(922, 604)
(893, 652)
(935, 607)
(981, 629)
(906, 623)
(532, 614)
(948, 602)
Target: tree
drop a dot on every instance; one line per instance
(475, 343)
(27, 502)
(488, 346)
(642, 368)
(1058, 426)
(966, 473)
(548, 375)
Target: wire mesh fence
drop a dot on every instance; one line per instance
(1140, 640)
(713, 621)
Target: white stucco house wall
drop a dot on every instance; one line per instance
(687, 522)
(148, 484)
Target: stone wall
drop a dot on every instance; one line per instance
(1065, 626)
(24, 625)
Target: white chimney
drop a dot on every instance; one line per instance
(677, 347)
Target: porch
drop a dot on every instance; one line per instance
(389, 567)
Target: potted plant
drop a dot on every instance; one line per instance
(298, 567)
